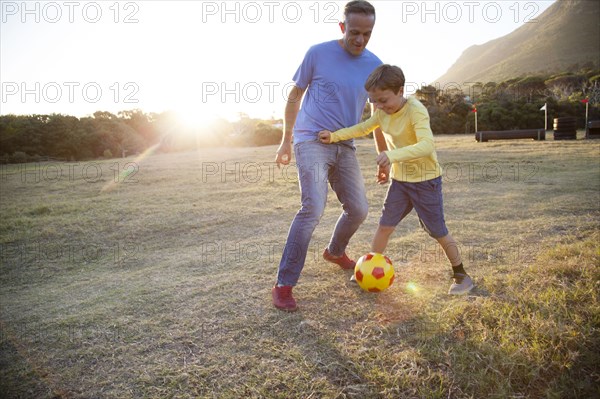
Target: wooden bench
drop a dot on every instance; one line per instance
(535, 134)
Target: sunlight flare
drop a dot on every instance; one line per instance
(130, 171)
(412, 287)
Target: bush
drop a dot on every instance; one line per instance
(19, 157)
(266, 135)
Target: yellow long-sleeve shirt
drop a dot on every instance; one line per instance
(409, 140)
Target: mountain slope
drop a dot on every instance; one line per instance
(567, 33)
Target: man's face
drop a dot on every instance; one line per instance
(386, 100)
(357, 32)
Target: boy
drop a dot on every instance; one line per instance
(416, 174)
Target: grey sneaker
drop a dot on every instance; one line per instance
(462, 284)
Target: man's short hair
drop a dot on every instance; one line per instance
(359, 7)
(386, 77)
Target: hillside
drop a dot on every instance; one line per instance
(565, 35)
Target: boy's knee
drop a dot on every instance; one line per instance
(437, 231)
(385, 230)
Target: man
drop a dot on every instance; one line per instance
(331, 78)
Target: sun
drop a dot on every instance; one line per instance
(195, 118)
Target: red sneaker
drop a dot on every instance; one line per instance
(343, 261)
(283, 299)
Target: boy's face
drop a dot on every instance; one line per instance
(386, 100)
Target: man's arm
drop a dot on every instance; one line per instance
(292, 107)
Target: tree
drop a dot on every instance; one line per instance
(142, 123)
(531, 87)
(59, 139)
(562, 86)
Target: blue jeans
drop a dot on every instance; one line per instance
(319, 164)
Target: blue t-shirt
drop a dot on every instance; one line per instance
(336, 96)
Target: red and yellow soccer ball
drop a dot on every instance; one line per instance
(374, 272)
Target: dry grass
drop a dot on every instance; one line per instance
(159, 286)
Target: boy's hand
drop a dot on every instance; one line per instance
(325, 136)
(382, 160)
(383, 174)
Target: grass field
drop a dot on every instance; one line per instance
(151, 278)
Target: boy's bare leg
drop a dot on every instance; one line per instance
(451, 249)
(462, 282)
(381, 238)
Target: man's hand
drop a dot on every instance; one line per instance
(383, 174)
(383, 160)
(325, 136)
(284, 154)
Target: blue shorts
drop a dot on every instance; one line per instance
(425, 197)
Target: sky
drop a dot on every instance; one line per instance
(209, 59)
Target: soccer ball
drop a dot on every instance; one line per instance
(374, 272)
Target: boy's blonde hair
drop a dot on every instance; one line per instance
(386, 77)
